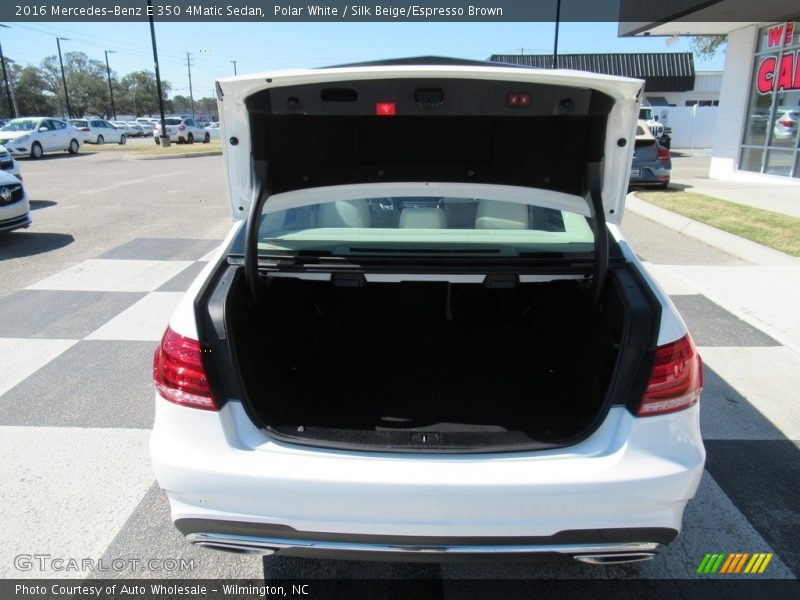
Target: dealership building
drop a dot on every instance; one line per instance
(757, 131)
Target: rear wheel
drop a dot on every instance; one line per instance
(36, 150)
(100, 140)
(190, 139)
(207, 138)
(122, 140)
(74, 146)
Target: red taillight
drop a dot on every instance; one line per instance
(786, 123)
(179, 374)
(676, 380)
(663, 153)
(385, 109)
(85, 129)
(182, 127)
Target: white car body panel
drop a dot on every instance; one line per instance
(219, 465)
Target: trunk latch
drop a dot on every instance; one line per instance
(425, 439)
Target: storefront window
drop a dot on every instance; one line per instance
(751, 159)
(773, 116)
(779, 162)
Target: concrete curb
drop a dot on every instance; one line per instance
(168, 156)
(757, 254)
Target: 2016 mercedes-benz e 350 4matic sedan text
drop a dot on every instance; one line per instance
(425, 335)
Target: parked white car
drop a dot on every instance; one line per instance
(147, 125)
(99, 131)
(15, 210)
(425, 334)
(787, 119)
(33, 136)
(182, 130)
(8, 164)
(214, 130)
(130, 128)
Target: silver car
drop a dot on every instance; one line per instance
(15, 210)
(8, 164)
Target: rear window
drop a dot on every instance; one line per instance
(417, 225)
(173, 121)
(79, 123)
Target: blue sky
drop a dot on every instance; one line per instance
(265, 46)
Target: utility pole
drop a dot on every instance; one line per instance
(234, 67)
(11, 103)
(164, 136)
(189, 66)
(554, 64)
(110, 89)
(63, 76)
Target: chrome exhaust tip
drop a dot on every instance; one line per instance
(617, 558)
(236, 548)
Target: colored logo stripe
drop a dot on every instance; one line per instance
(734, 563)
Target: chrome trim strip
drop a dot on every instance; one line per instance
(269, 545)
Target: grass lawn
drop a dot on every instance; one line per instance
(772, 229)
(153, 148)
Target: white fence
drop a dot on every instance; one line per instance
(692, 126)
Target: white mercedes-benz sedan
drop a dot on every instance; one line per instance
(425, 335)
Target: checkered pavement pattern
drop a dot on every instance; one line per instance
(76, 405)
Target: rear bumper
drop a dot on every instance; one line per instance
(598, 546)
(651, 173)
(630, 475)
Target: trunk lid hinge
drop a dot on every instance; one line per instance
(600, 268)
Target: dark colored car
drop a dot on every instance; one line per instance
(652, 164)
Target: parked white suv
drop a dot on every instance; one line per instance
(182, 131)
(425, 333)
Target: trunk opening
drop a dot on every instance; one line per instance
(426, 366)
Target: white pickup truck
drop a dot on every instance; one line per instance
(661, 133)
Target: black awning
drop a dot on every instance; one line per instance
(661, 71)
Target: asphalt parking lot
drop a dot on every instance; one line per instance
(81, 311)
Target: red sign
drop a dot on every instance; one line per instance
(780, 35)
(773, 76)
(779, 76)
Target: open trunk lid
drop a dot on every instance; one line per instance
(563, 131)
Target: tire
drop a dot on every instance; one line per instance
(100, 140)
(74, 146)
(664, 185)
(207, 138)
(190, 139)
(123, 140)
(36, 150)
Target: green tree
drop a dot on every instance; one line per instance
(182, 104)
(207, 108)
(86, 83)
(30, 90)
(706, 46)
(138, 93)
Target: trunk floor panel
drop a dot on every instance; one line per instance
(418, 365)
